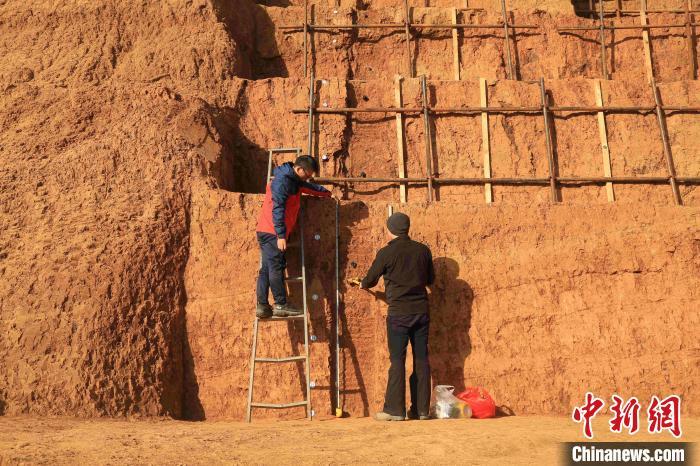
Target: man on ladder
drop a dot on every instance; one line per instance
(276, 222)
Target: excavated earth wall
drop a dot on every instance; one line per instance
(542, 51)
(367, 143)
(134, 143)
(536, 303)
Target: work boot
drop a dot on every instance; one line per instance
(413, 416)
(263, 311)
(285, 310)
(382, 416)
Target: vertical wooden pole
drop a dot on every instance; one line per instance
(399, 139)
(647, 45)
(602, 129)
(428, 139)
(591, 11)
(407, 21)
(485, 140)
(306, 40)
(661, 118)
(307, 359)
(455, 44)
(603, 51)
(251, 374)
(506, 28)
(312, 85)
(618, 9)
(548, 142)
(689, 40)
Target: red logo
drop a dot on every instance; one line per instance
(662, 414)
(665, 415)
(587, 412)
(626, 415)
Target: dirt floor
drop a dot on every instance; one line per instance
(134, 140)
(508, 440)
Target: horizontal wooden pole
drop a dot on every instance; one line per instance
(634, 12)
(476, 110)
(334, 27)
(419, 110)
(632, 26)
(516, 181)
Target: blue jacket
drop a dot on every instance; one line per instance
(283, 200)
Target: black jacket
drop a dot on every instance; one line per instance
(407, 267)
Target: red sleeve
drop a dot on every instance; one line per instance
(313, 192)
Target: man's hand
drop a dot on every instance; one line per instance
(355, 282)
(282, 244)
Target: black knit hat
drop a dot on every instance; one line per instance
(398, 224)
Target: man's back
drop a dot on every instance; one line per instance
(407, 267)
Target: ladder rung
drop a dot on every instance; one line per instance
(278, 405)
(282, 318)
(294, 279)
(282, 150)
(287, 359)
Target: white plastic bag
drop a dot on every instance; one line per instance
(447, 406)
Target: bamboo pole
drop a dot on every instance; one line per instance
(661, 118)
(399, 138)
(617, 28)
(602, 180)
(511, 71)
(636, 12)
(523, 110)
(455, 45)
(407, 33)
(312, 86)
(306, 33)
(647, 44)
(603, 52)
(428, 139)
(485, 140)
(477, 110)
(399, 26)
(690, 41)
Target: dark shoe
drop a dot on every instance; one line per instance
(382, 416)
(413, 416)
(263, 311)
(285, 310)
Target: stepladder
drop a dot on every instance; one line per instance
(293, 282)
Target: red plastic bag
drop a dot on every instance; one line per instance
(479, 401)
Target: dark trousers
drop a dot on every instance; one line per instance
(271, 276)
(401, 329)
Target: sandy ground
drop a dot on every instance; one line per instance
(511, 440)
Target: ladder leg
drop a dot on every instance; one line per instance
(306, 315)
(307, 358)
(252, 370)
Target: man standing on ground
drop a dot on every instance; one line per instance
(276, 222)
(407, 268)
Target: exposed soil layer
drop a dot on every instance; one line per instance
(514, 440)
(539, 50)
(365, 144)
(98, 156)
(538, 304)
